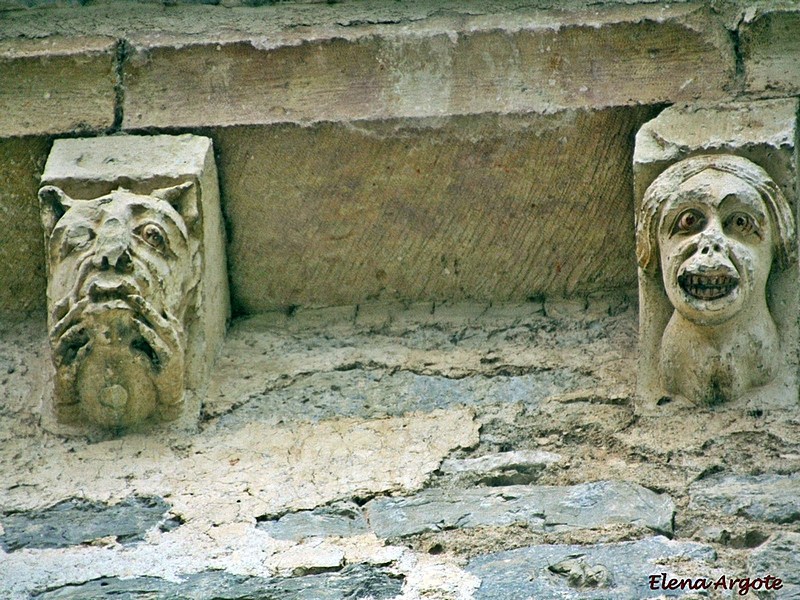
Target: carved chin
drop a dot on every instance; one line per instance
(708, 287)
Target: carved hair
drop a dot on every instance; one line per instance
(667, 183)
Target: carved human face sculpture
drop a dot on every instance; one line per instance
(121, 276)
(712, 228)
(715, 243)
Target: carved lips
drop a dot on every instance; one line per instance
(708, 287)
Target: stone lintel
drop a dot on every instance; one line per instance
(442, 65)
(56, 85)
(770, 48)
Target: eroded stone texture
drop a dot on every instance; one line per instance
(773, 498)
(56, 85)
(716, 245)
(442, 65)
(343, 519)
(544, 508)
(780, 557)
(610, 571)
(77, 521)
(136, 291)
(337, 214)
(770, 49)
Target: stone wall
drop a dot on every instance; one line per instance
(429, 388)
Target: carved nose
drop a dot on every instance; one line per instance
(113, 247)
(706, 248)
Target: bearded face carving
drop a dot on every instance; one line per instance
(714, 227)
(123, 269)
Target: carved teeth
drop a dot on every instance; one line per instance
(706, 287)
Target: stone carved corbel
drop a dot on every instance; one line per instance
(128, 279)
(719, 291)
(713, 228)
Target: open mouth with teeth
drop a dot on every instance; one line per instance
(707, 287)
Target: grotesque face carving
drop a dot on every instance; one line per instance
(715, 226)
(715, 241)
(122, 270)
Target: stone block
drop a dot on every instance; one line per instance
(22, 274)
(353, 581)
(727, 274)
(779, 557)
(137, 280)
(770, 48)
(773, 498)
(488, 208)
(610, 571)
(520, 61)
(543, 508)
(77, 521)
(56, 85)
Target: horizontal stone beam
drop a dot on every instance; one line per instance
(770, 47)
(57, 85)
(519, 61)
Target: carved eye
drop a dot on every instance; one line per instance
(154, 236)
(741, 223)
(690, 221)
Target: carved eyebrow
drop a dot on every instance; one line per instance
(755, 210)
(138, 208)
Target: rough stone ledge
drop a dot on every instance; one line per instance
(547, 508)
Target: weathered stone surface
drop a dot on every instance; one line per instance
(353, 581)
(770, 49)
(336, 214)
(525, 459)
(443, 65)
(379, 392)
(22, 268)
(609, 571)
(341, 519)
(546, 508)
(685, 294)
(764, 132)
(76, 521)
(774, 498)
(137, 285)
(519, 467)
(56, 85)
(780, 557)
